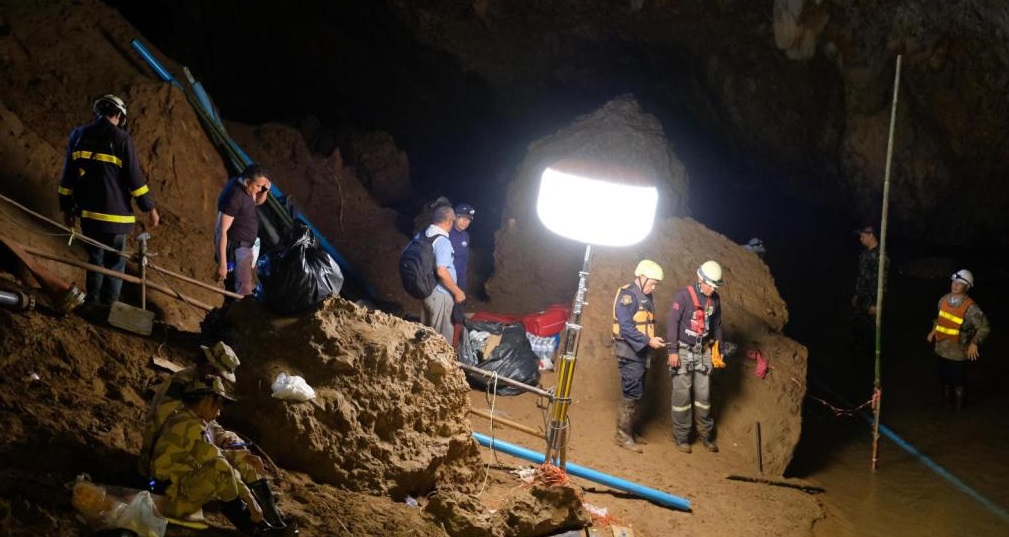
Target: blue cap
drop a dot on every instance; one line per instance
(465, 209)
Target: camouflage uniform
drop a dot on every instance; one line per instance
(196, 469)
(866, 280)
(167, 400)
(863, 328)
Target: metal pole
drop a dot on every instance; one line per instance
(115, 274)
(557, 432)
(877, 391)
(95, 243)
(142, 238)
(505, 380)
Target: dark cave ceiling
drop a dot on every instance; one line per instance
(795, 93)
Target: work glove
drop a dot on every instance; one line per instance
(716, 357)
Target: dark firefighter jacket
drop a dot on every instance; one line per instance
(633, 321)
(100, 177)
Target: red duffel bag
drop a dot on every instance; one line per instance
(546, 323)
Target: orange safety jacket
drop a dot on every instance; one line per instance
(947, 325)
(643, 317)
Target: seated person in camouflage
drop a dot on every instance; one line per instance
(217, 360)
(198, 472)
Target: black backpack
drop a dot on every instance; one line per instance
(417, 266)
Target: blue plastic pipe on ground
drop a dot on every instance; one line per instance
(652, 495)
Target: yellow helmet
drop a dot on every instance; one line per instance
(649, 269)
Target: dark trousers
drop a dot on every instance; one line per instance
(632, 376)
(952, 372)
(100, 287)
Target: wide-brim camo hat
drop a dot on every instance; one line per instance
(208, 385)
(223, 358)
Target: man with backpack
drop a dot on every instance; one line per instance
(427, 270)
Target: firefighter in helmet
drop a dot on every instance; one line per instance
(634, 338)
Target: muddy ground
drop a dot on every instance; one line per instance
(391, 419)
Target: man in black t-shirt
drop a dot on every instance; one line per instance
(237, 228)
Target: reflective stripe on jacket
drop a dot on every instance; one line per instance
(101, 178)
(633, 317)
(950, 319)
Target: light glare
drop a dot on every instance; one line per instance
(595, 211)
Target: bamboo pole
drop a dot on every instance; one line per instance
(877, 391)
(508, 423)
(125, 277)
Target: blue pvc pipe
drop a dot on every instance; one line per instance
(155, 64)
(932, 465)
(649, 494)
(203, 98)
(205, 102)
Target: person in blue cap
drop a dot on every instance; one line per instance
(464, 214)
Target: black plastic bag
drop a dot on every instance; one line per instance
(513, 358)
(298, 275)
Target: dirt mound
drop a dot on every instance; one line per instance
(534, 264)
(390, 413)
(390, 419)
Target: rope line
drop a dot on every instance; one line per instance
(492, 401)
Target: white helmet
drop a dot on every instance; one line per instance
(963, 275)
(108, 105)
(710, 273)
(649, 269)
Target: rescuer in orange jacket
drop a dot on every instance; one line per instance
(958, 332)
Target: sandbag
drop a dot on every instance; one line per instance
(298, 275)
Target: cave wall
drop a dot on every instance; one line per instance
(797, 90)
(801, 89)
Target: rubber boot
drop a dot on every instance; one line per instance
(946, 395)
(625, 435)
(959, 395)
(238, 514)
(635, 407)
(268, 503)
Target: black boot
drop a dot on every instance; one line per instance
(959, 396)
(238, 514)
(268, 503)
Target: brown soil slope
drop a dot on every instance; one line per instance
(82, 414)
